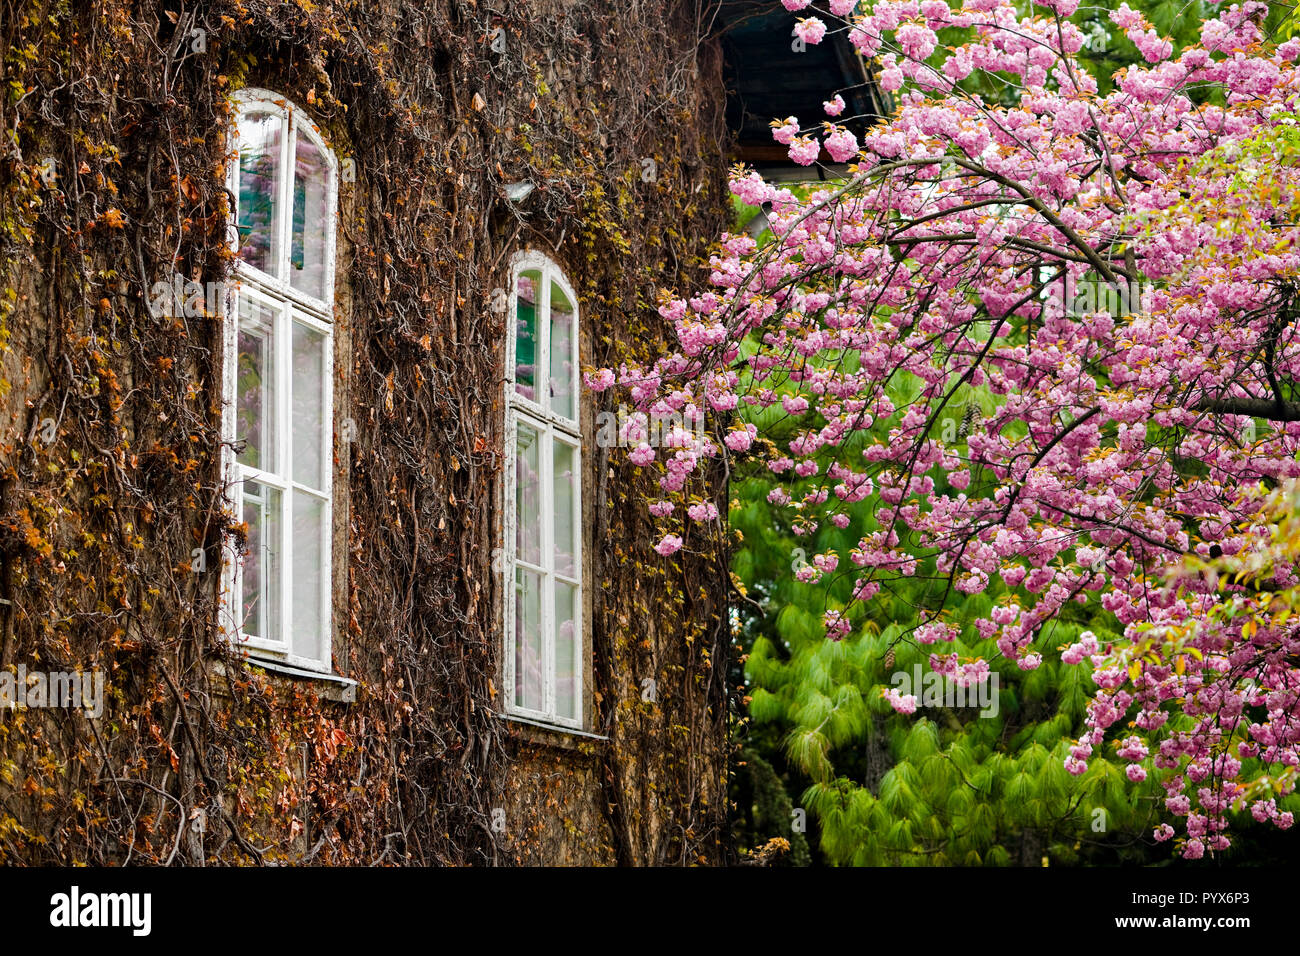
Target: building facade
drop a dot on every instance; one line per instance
(294, 447)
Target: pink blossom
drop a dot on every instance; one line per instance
(642, 454)
(903, 703)
(810, 30)
(804, 150)
(703, 512)
(739, 439)
(784, 132)
(670, 544)
(600, 380)
(916, 40)
(1065, 8)
(837, 625)
(841, 144)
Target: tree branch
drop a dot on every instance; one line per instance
(1266, 408)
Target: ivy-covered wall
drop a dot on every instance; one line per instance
(112, 166)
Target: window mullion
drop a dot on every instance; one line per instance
(326, 638)
(574, 338)
(508, 551)
(232, 580)
(512, 332)
(546, 463)
(265, 586)
(284, 441)
(542, 372)
(579, 653)
(285, 225)
(331, 227)
(238, 563)
(327, 420)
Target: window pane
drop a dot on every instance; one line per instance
(309, 443)
(528, 639)
(528, 292)
(528, 495)
(309, 544)
(308, 237)
(255, 373)
(565, 458)
(561, 360)
(262, 566)
(260, 136)
(568, 678)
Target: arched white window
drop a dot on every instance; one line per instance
(544, 646)
(279, 382)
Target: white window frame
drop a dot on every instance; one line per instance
(550, 427)
(288, 306)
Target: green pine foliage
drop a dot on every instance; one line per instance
(944, 786)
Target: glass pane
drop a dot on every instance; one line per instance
(309, 548)
(561, 360)
(528, 639)
(565, 514)
(308, 236)
(260, 136)
(262, 566)
(568, 679)
(309, 444)
(528, 495)
(255, 394)
(528, 292)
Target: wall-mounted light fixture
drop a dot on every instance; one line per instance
(517, 192)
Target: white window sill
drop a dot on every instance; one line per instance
(335, 687)
(554, 728)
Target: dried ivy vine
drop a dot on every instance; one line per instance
(110, 179)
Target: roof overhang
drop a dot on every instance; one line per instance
(767, 78)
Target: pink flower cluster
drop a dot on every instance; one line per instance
(903, 703)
